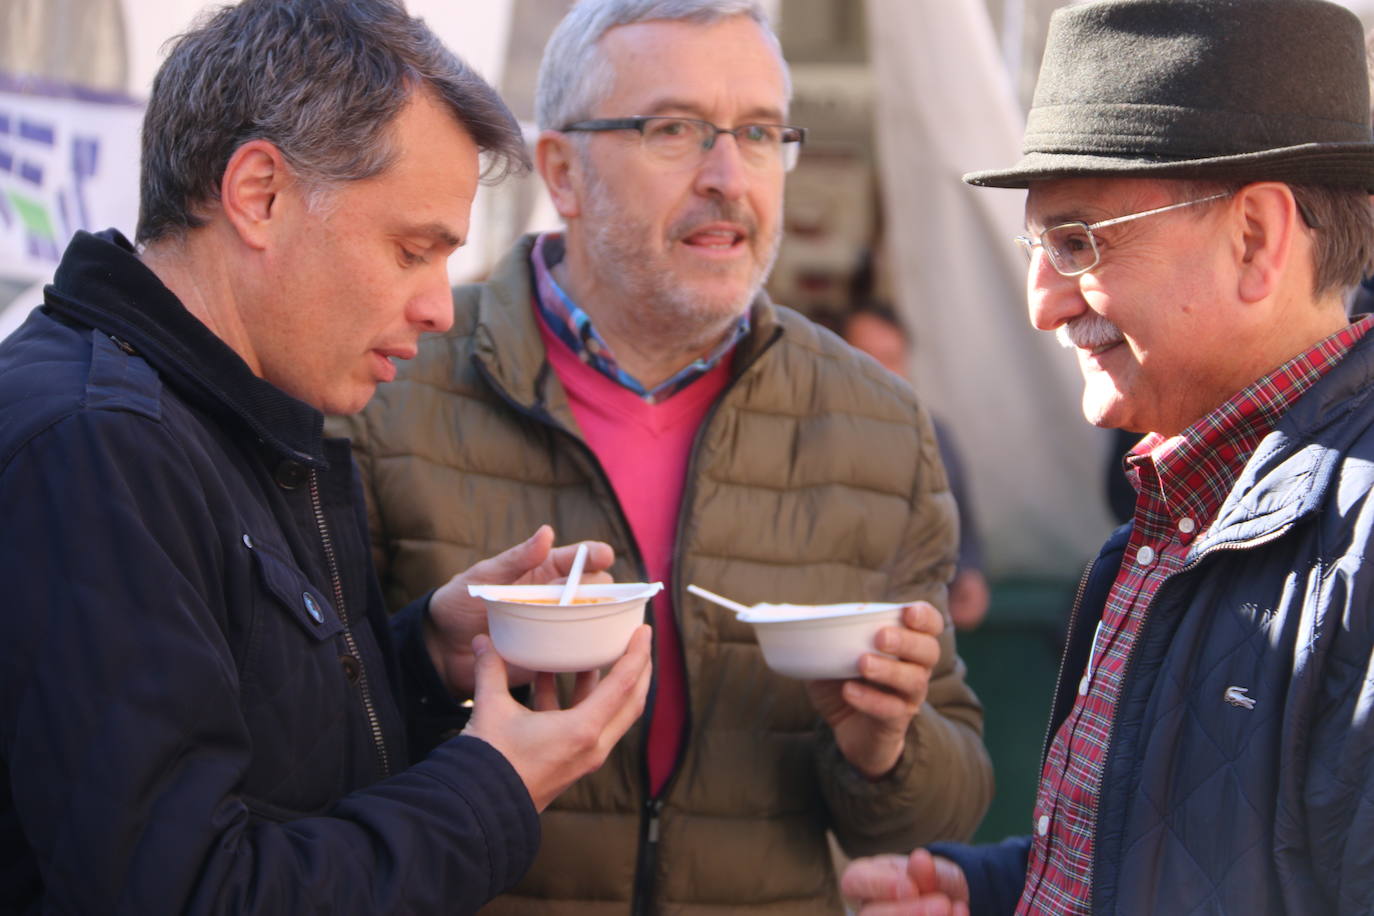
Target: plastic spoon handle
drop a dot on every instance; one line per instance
(717, 599)
(574, 574)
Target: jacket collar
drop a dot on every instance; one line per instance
(508, 349)
(1293, 468)
(102, 284)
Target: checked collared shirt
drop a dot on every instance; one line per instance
(1180, 483)
(574, 327)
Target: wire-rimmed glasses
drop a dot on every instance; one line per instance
(1072, 247)
(685, 141)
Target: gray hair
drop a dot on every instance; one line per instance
(574, 75)
(322, 80)
(1342, 224)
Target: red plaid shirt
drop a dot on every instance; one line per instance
(1181, 483)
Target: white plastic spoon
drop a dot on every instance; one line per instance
(574, 574)
(717, 599)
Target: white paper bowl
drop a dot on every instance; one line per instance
(819, 641)
(568, 637)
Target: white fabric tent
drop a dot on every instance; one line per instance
(1010, 393)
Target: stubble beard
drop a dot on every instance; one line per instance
(667, 308)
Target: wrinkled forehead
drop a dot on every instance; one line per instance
(665, 66)
(1058, 200)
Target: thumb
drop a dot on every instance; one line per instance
(511, 564)
(922, 871)
(489, 673)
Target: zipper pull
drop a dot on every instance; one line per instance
(655, 807)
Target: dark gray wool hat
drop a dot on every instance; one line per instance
(1236, 90)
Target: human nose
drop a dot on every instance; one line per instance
(722, 170)
(432, 308)
(1053, 299)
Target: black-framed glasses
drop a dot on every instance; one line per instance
(685, 141)
(1072, 247)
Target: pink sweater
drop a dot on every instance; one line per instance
(644, 449)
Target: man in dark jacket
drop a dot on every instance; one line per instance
(1197, 175)
(201, 705)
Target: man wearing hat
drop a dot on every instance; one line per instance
(1197, 173)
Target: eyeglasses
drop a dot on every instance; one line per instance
(685, 141)
(1072, 247)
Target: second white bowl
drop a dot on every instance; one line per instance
(819, 641)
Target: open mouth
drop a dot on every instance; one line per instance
(715, 239)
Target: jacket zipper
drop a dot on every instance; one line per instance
(373, 721)
(1128, 667)
(647, 854)
(646, 863)
(1064, 660)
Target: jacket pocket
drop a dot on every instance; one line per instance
(299, 707)
(305, 603)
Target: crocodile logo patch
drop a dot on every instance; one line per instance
(1237, 696)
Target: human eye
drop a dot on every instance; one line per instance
(1071, 246)
(760, 134)
(1071, 238)
(409, 258)
(667, 128)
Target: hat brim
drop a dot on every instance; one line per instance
(1332, 164)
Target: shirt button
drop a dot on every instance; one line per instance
(352, 668)
(1187, 525)
(1145, 556)
(1083, 686)
(1042, 826)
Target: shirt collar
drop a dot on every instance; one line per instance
(574, 328)
(102, 283)
(1196, 469)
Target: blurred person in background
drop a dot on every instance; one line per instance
(1198, 176)
(201, 706)
(628, 379)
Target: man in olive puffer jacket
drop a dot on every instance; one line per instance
(627, 381)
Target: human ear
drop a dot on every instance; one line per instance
(253, 179)
(1267, 228)
(559, 164)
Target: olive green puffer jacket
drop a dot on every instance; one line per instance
(815, 479)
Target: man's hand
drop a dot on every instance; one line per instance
(917, 885)
(455, 617)
(869, 717)
(550, 747)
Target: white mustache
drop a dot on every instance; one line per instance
(1088, 332)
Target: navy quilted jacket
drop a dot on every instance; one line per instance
(1240, 775)
(200, 705)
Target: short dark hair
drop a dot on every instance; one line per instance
(322, 80)
(878, 310)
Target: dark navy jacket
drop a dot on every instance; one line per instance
(1240, 772)
(201, 708)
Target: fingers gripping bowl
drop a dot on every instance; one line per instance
(531, 629)
(819, 641)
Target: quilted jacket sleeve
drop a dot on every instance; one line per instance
(122, 734)
(996, 873)
(942, 785)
